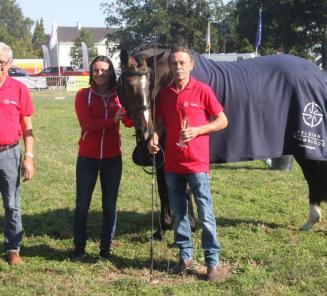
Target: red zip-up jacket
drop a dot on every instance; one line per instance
(100, 136)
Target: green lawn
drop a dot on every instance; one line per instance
(258, 214)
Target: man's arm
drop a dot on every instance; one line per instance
(218, 123)
(153, 145)
(27, 166)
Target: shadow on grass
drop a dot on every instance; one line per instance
(57, 224)
(225, 222)
(49, 253)
(122, 263)
(249, 167)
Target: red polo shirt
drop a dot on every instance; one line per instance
(197, 103)
(15, 103)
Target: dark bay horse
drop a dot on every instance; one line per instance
(276, 105)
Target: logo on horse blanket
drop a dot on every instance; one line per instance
(312, 117)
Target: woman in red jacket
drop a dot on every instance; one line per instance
(99, 113)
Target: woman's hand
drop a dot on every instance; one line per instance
(120, 114)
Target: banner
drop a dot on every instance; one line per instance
(85, 57)
(33, 82)
(74, 83)
(46, 57)
(53, 46)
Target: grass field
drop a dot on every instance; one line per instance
(258, 213)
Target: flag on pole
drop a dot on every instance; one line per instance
(259, 30)
(54, 36)
(46, 57)
(54, 46)
(85, 57)
(208, 42)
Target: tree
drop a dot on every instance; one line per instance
(76, 51)
(225, 37)
(294, 26)
(169, 22)
(15, 29)
(278, 29)
(39, 38)
(312, 21)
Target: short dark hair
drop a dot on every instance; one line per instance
(112, 77)
(180, 49)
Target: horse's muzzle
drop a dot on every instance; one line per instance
(142, 134)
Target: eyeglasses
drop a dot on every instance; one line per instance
(4, 63)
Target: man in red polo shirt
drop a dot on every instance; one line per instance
(188, 110)
(15, 120)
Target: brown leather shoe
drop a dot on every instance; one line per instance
(212, 273)
(181, 266)
(13, 257)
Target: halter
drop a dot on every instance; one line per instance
(129, 73)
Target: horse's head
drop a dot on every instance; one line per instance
(136, 87)
(134, 92)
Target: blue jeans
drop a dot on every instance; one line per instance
(87, 170)
(9, 187)
(199, 183)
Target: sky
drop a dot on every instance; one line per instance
(66, 12)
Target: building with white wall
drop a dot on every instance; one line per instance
(67, 35)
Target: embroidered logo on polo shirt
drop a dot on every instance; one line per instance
(190, 104)
(7, 102)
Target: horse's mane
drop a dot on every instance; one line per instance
(146, 46)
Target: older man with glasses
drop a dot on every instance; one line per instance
(15, 121)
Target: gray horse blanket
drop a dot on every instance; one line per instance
(276, 105)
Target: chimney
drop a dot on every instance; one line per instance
(79, 25)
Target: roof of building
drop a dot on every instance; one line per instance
(69, 34)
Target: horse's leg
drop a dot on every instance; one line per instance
(191, 215)
(165, 211)
(315, 173)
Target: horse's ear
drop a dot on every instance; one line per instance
(150, 60)
(124, 57)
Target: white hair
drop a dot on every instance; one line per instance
(6, 49)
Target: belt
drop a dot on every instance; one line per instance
(7, 147)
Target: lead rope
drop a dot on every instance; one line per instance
(154, 196)
(154, 172)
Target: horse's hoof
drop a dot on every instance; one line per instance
(173, 246)
(306, 226)
(309, 224)
(158, 235)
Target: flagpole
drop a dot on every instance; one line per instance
(258, 34)
(209, 38)
(208, 42)
(58, 61)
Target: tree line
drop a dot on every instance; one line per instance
(15, 30)
(292, 26)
